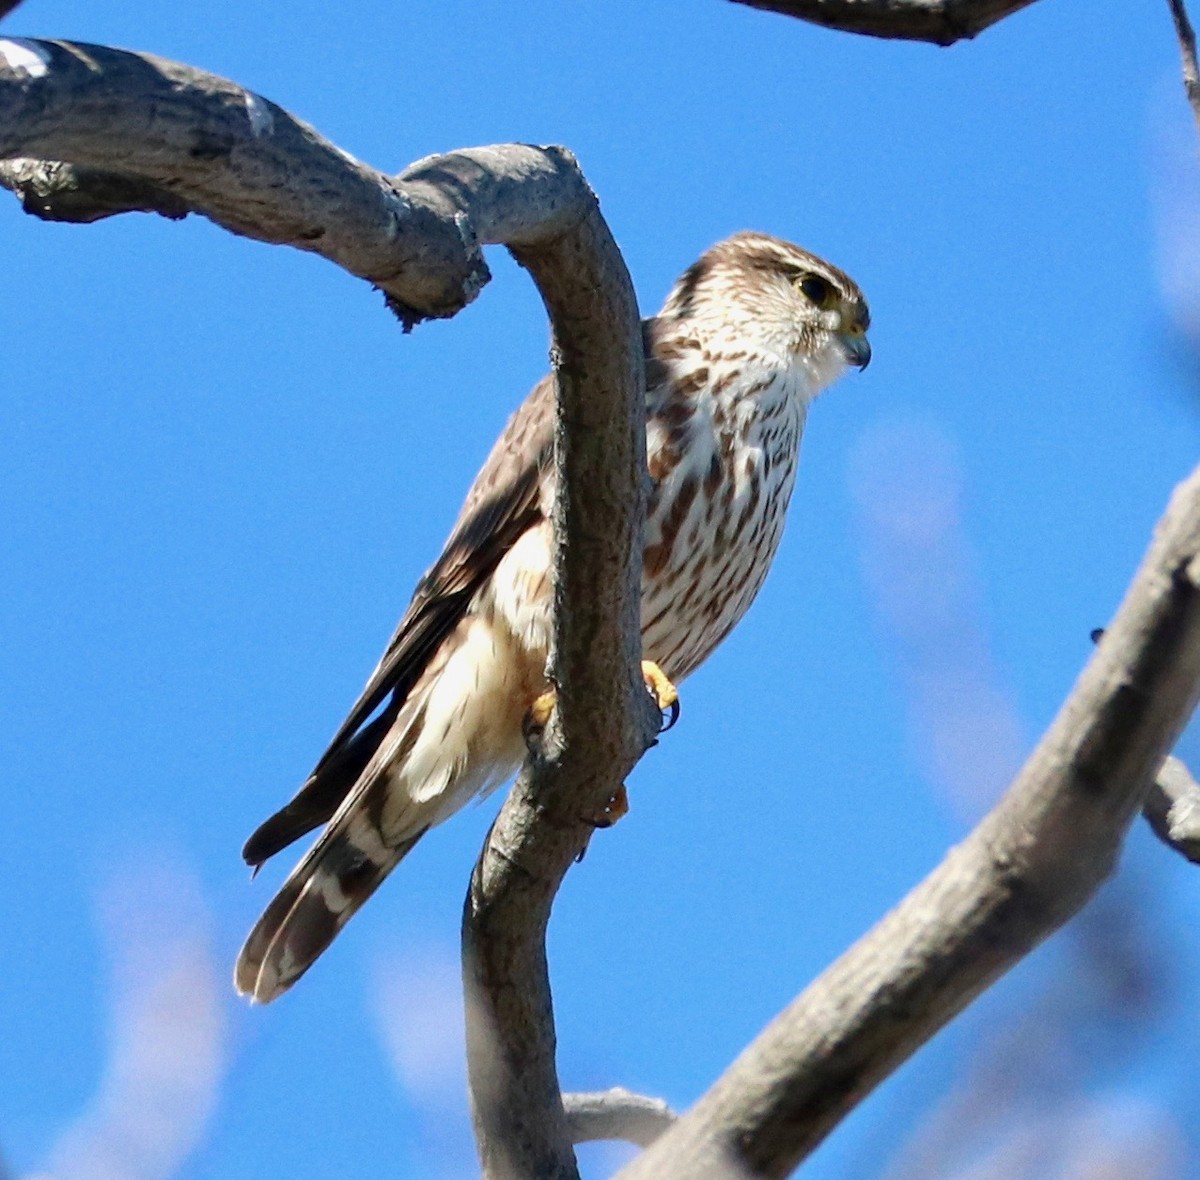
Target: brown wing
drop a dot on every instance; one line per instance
(502, 504)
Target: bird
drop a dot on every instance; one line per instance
(749, 334)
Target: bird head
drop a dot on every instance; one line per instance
(804, 309)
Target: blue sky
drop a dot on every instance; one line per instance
(222, 468)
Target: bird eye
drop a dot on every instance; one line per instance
(817, 289)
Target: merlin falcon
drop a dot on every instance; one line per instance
(748, 336)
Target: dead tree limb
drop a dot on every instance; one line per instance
(1029, 866)
(104, 131)
(1172, 804)
(184, 140)
(941, 22)
(55, 191)
(603, 723)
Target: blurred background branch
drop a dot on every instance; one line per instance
(167, 1038)
(617, 1114)
(1187, 51)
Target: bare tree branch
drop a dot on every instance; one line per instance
(134, 131)
(1028, 867)
(616, 1114)
(1173, 809)
(245, 163)
(940, 21)
(7, 6)
(604, 720)
(1187, 51)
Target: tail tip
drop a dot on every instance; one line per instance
(258, 983)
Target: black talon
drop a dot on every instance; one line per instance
(669, 717)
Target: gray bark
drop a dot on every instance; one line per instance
(603, 723)
(1186, 36)
(1173, 809)
(184, 140)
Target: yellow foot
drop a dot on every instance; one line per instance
(616, 808)
(538, 717)
(665, 695)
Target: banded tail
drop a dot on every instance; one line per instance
(320, 896)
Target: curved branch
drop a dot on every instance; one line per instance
(187, 140)
(604, 720)
(1028, 867)
(940, 21)
(616, 1114)
(105, 131)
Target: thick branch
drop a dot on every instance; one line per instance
(181, 139)
(941, 21)
(1032, 863)
(604, 720)
(137, 132)
(616, 1114)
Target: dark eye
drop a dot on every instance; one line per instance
(817, 289)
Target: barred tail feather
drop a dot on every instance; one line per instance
(365, 840)
(457, 734)
(320, 896)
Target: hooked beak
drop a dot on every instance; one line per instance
(855, 347)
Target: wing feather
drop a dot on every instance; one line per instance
(504, 502)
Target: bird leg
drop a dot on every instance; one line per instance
(538, 717)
